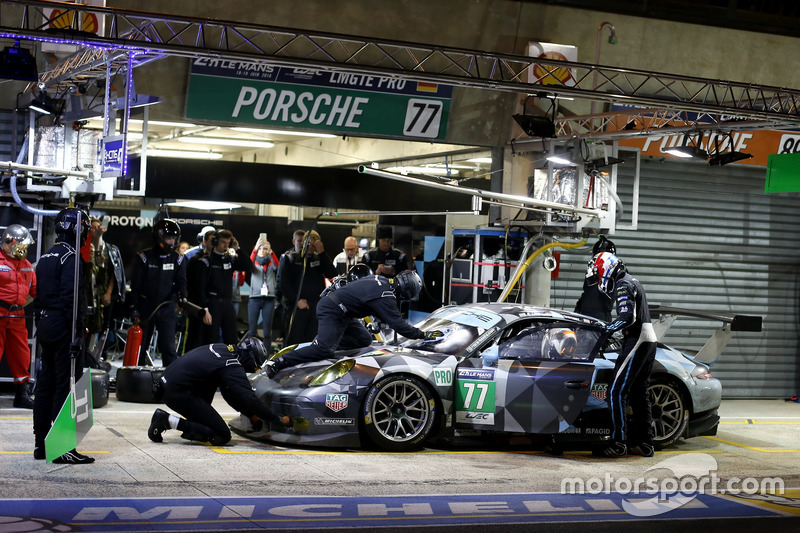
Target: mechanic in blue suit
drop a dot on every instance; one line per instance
(189, 385)
(339, 311)
(635, 361)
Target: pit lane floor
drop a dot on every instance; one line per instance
(138, 485)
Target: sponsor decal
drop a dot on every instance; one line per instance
(600, 391)
(443, 377)
(319, 421)
(484, 374)
(336, 402)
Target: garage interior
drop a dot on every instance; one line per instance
(703, 232)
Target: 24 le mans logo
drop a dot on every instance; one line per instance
(336, 402)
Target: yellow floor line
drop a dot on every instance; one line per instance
(763, 450)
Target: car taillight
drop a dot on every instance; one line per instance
(706, 374)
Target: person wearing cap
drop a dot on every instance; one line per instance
(203, 242)
(17, 284)
(385, 260)
(188, 387)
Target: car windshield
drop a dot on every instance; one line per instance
(459, 326)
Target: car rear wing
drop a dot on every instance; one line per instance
(664, 316)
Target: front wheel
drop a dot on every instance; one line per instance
(399, 413)
(670, 414)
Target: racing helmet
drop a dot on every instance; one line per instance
(358, 271)
(163, 229)
(607, 267)
(407, 285)
(560, 343)
(16, 239)
(252, 354)
(67, 222)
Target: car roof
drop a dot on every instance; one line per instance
(512, 312)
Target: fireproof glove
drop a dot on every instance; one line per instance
(434, 335)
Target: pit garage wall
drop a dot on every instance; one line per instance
(710, 238)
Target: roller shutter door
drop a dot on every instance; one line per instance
(710, 238)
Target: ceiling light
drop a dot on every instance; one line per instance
(163, 123)
(433, 171)
(727, 157)
(723, 158)
(485, 160)
(41, 105)
(205, 205)
(536, 126)
(284, 132)
(686, 150)
(560, 160)
(184, 154)
(221, 141)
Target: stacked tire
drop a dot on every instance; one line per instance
(139, 384)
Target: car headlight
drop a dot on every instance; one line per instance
(332, 373)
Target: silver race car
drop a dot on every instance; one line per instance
(499, 370)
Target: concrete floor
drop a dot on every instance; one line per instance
(757, 439)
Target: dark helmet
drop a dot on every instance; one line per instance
(67, 222)
(603, 245)
(252, 354)
(407, 285)
(607, 267)
(16, 239)
(361, 270)
(164, 228)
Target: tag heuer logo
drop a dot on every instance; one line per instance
(336, 402)
(600, 391)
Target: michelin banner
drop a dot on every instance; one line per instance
(259, 94)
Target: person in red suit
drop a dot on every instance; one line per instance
(17, 283)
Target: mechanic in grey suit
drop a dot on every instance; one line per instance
(635, 361)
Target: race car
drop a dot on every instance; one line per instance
(497, 369)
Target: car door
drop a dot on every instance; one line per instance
(535, 380)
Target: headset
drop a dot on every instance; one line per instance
(214, 239)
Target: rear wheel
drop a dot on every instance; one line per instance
(399, 413)
(670, 413)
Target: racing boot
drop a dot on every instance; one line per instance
(23, 399)
(158, 423)
(73, 458)
(644, 449)
(613, 450)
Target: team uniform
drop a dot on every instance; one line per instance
(189, 385)
(292, 273)
(17, 281)
(215, 290)
(393, 258)
(158, 276)
(338, 315)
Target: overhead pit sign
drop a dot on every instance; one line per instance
(331, 101)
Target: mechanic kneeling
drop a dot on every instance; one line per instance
(189, 385)
(339, 313)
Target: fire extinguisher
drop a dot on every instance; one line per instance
(133, 343)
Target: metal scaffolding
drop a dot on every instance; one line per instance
(148, 36)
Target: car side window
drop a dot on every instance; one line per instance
(554, 341)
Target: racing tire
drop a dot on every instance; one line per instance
(399, 413)
(139, 384)
(100, 384)
(670, 412)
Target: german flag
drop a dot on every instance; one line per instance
(425, 87)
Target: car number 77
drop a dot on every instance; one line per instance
(483, 388)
